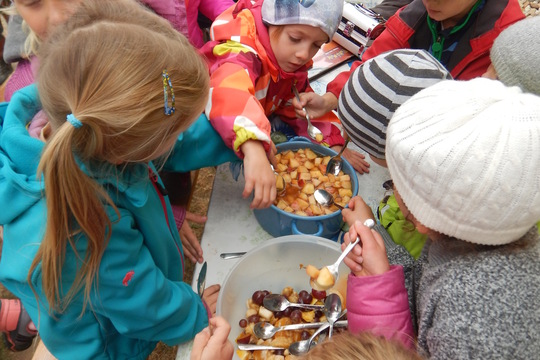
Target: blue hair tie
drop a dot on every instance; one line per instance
(74, 121)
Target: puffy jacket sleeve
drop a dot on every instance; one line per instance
(233, 108)
(380, 304)
(138, 298)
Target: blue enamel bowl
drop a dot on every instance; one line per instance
(280, 223)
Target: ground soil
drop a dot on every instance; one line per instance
(203, 182)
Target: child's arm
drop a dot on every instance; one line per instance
(376, 295)
(213, 345)
(260, 178)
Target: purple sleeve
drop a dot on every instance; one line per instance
(380, 304)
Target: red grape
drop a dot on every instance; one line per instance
(296, 316)
(319, 295)
(253, 319)
(304, 297)
(258, 297)
(243, 323)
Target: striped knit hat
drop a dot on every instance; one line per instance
(377, 88)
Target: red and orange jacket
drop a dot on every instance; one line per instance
(408, 29)
(246, 83)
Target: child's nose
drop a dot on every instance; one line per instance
(303, 53)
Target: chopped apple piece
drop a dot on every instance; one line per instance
(303, 169)
(344, 178)
(309, 165)
(346, 184)
(345, 192)
(310, 154)
(317, 161)
(308, 189)
(312, 271)
(282, 204)
(293, 163)
(325, 280)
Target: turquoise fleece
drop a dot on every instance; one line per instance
(141, 298)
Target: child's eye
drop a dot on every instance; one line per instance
(294, 39)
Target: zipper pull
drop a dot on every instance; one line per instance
(154, 178)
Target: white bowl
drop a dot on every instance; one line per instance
(272, 266)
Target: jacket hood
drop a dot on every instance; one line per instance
(20, 188)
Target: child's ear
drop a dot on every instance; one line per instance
(422, 229)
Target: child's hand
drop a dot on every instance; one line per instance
(357, 160)
(213, 346)
(192, 247)
(210, 297)
(369, 258)
(260, 178)
(358, 210)
(316, 105)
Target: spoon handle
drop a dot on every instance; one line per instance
(251, 347)
(232, 255)
(370, 224)
(344, 147)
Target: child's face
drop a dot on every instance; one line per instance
(295, 45)
(43, 15)
(448, 11)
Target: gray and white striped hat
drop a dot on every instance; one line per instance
(378, 87)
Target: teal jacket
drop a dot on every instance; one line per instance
(140, 297)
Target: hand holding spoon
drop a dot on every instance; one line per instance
(328, 275)
(312, 131)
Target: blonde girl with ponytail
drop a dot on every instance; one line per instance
(90, 246)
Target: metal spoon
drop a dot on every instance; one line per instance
(278, 302)
(334, 268)
(324, 198)
(332, 310)
(252, 347)
(232, 255)
(265, 330)
(312, 131)
(301, 347)
(336, 162)
(201, 280)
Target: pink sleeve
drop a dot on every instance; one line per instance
(22, 76)
(212, 8)
(380, 304)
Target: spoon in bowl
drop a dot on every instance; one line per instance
(336, 162)
(332, 310)
(264, 330)
(278, 302)
(312, 131)
(328, 275)
(301, 347)
(324, 198)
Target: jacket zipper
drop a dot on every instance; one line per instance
(162, 192)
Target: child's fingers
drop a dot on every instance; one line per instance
(199, 343)
(221, 328)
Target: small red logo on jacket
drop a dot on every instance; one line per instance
(128, 278)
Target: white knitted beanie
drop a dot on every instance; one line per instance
(465, 158)
(324, 14)
(515, 53)
(377, 88)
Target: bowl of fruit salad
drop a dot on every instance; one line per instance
(277, 266)
(302, 166)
